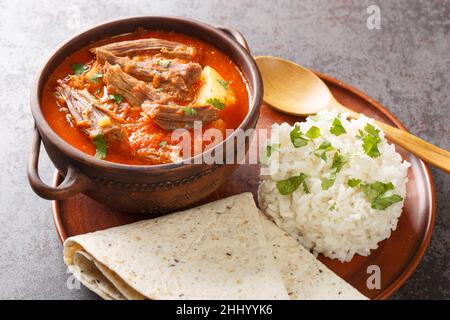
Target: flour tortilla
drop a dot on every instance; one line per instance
(304, 276)
(222, 250)
(178, 256)
(231, 261)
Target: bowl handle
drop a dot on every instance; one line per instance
(73, 183)
(235, 35)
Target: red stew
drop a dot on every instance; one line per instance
(121, 99)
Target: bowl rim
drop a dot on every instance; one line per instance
(256, 97)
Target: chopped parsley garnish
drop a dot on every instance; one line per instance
(381, 203)
(216, 103)
(376, 189)
(336, 127)
(163, 143)
(116, 97)
(96, 76)
(291, 184)
(333, 207)
(370, 137)
(164, 63)
(326, 183)
(297, 137)
(189, 111)
(313, 132)
(269, 150)
(377, 194)
(305, 187)
(79, 68)
(223, 83)
(324, 147)
(338, 162)
(353, 182)
(100, 146)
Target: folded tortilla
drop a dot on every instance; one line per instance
(222, 250)
(216, 251)
(304, 276)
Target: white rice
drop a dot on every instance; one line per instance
(352, 226)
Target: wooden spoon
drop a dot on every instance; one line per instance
(295, 90)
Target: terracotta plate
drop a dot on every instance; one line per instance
(397, 256)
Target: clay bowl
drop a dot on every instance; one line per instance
(151, 189)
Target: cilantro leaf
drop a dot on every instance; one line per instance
(376, 194)
(297, 137)
(100, 145)
(223, 83)
(305, 187)
(164, 63)
(163, 143)
(79, 68)
(325, 146)
(338, 162)
(370, 129)
(313, 132)
(376, 189)
(189, 111)
(291, 184)
(337, 128)
(381, 203)
(269, 150)
(370, 137)
(95, 77)
(326, 183)
(353, 182)
(116, 97)
(216, 103)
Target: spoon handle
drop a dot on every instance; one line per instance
(428, 152)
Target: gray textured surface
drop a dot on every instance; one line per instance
(405, 65)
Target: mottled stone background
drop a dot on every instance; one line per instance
(405, 66)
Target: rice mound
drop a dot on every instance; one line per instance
(338, 222)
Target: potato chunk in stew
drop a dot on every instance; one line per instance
(214, 90)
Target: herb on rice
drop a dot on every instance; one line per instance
(378, 194)
(324, 148)
(269, 150)
(339, 161)
(305, 187)
(333, 207)
(326, 183)
(298, 139)
(353, 182)
(370, 138)
(313, 132)
(291, 184)
(337, 128)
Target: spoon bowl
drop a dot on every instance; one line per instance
(310, 95)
